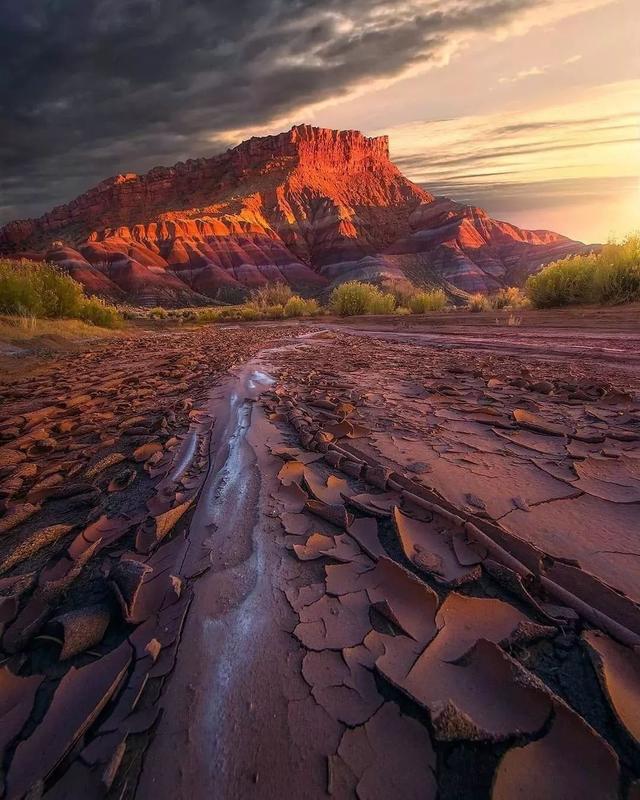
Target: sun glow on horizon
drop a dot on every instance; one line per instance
(570, 158)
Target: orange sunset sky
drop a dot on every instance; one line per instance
(528, 108)
(537, 121)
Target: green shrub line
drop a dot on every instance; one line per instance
(400, 297)
(611, 276)
(32, 289)
(40, 290)
(250, 311)
(277, 301)
(507, 299)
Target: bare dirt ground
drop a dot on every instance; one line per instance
(390, 558)
(26, 344)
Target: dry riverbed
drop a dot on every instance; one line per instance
(375, 560)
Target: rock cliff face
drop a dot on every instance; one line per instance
(310, 207)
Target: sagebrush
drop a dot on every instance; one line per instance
(479, 302)
(507, 299)
(296, 306)
(610, 276)
(272, 294)
(40, 290)
(351, 298)
(421, 302)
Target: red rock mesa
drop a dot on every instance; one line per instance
(309, 207)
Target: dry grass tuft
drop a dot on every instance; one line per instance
(24, 329)
(479, 302)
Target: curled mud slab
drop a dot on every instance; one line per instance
(307, 577)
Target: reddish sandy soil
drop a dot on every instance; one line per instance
(389, 558)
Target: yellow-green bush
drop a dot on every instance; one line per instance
(33, 288)
(423, 301)
(508, 298)
(248, 312)
(354, 297)
(228, 312)
(382, 303)
(610, 276)
(297, 306)
(351, 298)
(97, 312)
(273, 312)
(313, 307)
(563, 283)
(207, 314)
(617, 275)
(38, 289)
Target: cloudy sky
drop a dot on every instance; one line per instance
(529, 108)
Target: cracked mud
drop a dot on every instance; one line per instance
(247, 562)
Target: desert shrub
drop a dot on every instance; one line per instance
(248, 312)
(478, 302)
(158, 313)
(60, 294)
(37, 289)
(313, 308)
(97, 312)
(351, 298)
(563, 283)
(423, 301)
(272, 294)
(616, 277)
(274, 312)
(610, 276)
(516, 297)
(297, 306)
(229, 312)
(403, 311)
(401, 288)
(499, 300)
(509, 297)
(208, 314)
(354, 297)
(381, 303)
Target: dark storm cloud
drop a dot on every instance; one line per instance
(89, 88)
